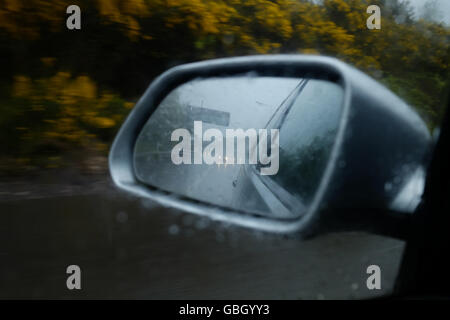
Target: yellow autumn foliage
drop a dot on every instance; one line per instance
(81, 106)
(68, 104)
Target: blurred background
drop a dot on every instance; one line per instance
(64, 94)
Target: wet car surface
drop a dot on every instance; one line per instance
(128, 247)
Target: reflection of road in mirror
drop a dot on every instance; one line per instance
(235, 153)
(208, 136)
(238, 102)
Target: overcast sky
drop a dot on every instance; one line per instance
(442, 5)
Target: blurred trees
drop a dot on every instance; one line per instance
(66, 90)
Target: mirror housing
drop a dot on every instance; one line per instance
(376, 166)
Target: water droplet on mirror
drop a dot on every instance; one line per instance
(202, 224)
(220, 237)
(149, 204)
(174, 229)
(228, 39)
(122, 217)
(188, 220)
(388, 186)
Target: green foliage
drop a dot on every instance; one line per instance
(425, 91)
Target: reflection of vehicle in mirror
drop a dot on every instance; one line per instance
(336, 143)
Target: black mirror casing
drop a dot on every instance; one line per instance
(378, 135)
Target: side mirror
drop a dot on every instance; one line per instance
(279, 143)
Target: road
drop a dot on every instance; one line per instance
(130, 248)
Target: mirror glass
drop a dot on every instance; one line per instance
(254, 144)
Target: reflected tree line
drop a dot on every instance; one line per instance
(301, 168)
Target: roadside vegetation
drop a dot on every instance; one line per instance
(64, 93)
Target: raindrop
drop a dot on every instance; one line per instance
(258, 235)
(188, 220)
(436, 133)
(149, 204)
(201, 224)
(174, 229)
(122, 217)
(228, 39)
(377, 73)
(388, 186)
(189, 232)
(406, 168)
(220, 237)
